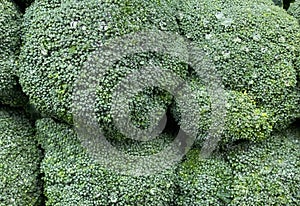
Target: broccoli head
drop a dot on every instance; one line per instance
(73, 177)
(55, 49)
(10, 23)
(294, 10)
(19, 160)
(203, 181)
(254, 46)
(267, 173)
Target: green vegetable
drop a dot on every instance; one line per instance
(10, 24)
(59, 36)
(203, 181)
(254, 46)
(294, 10)
(19, 160)
(73, 177)
(267, 173)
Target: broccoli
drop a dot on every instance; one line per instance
(203, 181)
(243, 119)
(73, 177)
(19, 160)
(55, 49)
(267, 173)
(10, 23)
(52, 57)
(255, 46)
(294, 10)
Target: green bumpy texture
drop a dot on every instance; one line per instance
(10, 24)
(254, 55)
(59, 37)
(73, 177)
(203, 181)
(267, 173)
(19, 160)
(254, 46)
(243, 118)
(294, 10)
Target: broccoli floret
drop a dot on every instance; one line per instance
(10, 24)
(19, 160)
(55, 49)
(294, 10)
(254, 45)
(73, 177)
(267, 173)
(243, 119)
(203, 181)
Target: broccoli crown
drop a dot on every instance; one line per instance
(254, 46)
(267, 173)
(58, 38)
(52, 57)
(10, 22)
(294, 9)
(203, 181)
(243, 118)
(19, 160)
(72, 177)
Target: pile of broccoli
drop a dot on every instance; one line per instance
(254, 48)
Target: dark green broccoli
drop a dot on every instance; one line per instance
(19, 160)
(254, 45)
(58, 39)
(294, 10)
(72, 177)
(203, 181)
(267, 173)
(256, 65)
(243, 119)
(10, 24)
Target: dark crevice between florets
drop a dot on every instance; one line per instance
(171, 130)
(22, 4)
(172, 126)
(296, 124)
(180, 30)
(225, 148)
(286, 4)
